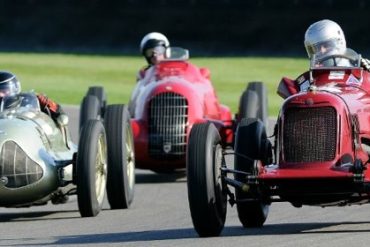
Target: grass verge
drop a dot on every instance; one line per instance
(65, 77)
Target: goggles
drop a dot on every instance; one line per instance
(324, 47)
(8, 88)
(155, 51)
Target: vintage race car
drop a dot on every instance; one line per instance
(319, 154)
(173, 96)
(39, 163)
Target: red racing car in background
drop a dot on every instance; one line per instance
(319, 155)
(173, 96)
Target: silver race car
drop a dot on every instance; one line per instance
(39, 162)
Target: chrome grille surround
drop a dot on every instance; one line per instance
(168, 120)
(16, 168)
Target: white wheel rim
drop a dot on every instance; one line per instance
(130, 159)
(101, 169)
(218, 164)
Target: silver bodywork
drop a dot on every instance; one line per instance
(35, 155)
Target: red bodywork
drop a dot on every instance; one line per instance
(174, 95)
(320, 142)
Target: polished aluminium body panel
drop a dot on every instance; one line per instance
(40, 142)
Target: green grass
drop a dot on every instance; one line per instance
(65, 78)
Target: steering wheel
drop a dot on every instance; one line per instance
(352, 61)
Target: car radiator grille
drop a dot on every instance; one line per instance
(16, 168)
(309, 134)
(168, 117)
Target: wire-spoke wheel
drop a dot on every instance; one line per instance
(91, 170)
(121, 157)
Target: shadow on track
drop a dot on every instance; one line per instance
(232, 231)
(38, 216)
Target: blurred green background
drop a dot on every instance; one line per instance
(65, 77)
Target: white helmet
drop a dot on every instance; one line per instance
(152, 40)
(324, 34)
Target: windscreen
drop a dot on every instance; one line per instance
(24, 101)
(348, 58)
(176, 53)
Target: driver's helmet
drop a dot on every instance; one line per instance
(9, 84)
(323, 38)
(153, 44)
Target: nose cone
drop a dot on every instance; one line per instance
(16, 168)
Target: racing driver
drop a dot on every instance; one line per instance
(153, 47)
(322, 37)
(10, 85)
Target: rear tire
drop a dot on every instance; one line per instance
(90, 109)
(121, 157)
(253, 102)
(248, 106)
(99, 92)
(207, 197)
(91, 168)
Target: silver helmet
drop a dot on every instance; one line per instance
(324, 36)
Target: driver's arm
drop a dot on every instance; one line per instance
(54, 108)
(287, 87)
(141, 74)
(365, 63)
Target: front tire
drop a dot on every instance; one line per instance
(206, 194)
(121, 157)
(91, 168)
(251, 142)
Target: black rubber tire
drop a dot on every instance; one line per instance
(99, 92)
(253, 102)
(91, 148)
(261, 91)
(90, 109)
(206, 194)
(121, 157)
(248, 105)
(250, 142)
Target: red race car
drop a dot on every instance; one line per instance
(173, 96)
(319, 154)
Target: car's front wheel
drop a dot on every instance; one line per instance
(91, 170)
(251, 146)
(121, 157)
(207, 197)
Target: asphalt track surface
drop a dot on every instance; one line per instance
(160, 216)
